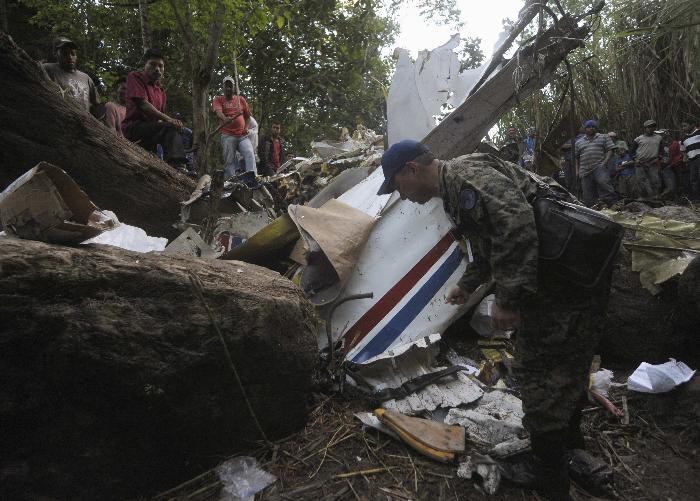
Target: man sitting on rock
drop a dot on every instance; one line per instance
(146, 121)
(73, 83)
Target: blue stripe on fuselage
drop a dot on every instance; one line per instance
(411, 309)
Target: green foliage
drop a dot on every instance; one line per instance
(640, 63)
(470, 53)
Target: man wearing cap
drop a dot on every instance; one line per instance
(72, 82)
(488, 201)
(648, 152)
(593, 151)
(146, 120)
(233, 112)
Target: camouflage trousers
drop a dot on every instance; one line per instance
(555, 346)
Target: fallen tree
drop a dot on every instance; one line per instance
(530, 69)
(115, 383)
(40, 125)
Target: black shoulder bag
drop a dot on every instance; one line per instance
(577, 244)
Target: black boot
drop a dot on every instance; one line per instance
(545, 471)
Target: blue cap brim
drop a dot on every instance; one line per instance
(386, 188)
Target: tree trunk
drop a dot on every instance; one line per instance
(114, 382)
(145, 24)
(462, 131)
(38, 124)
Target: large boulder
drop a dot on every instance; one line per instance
(640, 326)
(114, 382)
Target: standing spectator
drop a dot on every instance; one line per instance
(671, 158)
(613, 158)
(273, 150)
(527, 157)
(691, 146)
(146, 121)
(233, 112)
(624, 170)
(115, 111)
(648, 149)
(593, 151)
(252, 126)
(513, 148)
(72, 82)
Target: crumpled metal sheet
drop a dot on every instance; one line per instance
(450, 392)
(661, 248)
(497, 418)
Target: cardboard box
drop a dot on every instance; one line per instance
(46, 204)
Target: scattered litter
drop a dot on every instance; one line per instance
(435, 440)
(591, 473)
(600, 381)
(371, 420)
(189, 243)
(485, 468)
(481, 320)
(451, 391)
(242, 478)
(127, 237)
(497, 418)
(46, 204)
(332, 239)
(648, 378)
(510, 448)
(397, 365)
(456, 359)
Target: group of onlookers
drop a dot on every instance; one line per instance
(139, 113)
(603, 169)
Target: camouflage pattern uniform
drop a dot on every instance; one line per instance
(488, 200)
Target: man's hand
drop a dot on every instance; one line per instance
(177, 123)
(456, 295)
(503, 319)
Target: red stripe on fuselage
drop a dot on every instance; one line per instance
(381, 308)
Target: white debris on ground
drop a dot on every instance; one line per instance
(496, 418)
(452, 391)
(127, 237)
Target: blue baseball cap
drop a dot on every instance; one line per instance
(393, 160)
(590, 123)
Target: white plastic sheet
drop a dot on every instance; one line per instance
(128, 237)
(242, 478)
(648, 378)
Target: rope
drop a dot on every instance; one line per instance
(198, 288)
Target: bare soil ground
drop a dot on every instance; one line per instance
(654, 457)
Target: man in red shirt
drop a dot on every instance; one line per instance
(233, 112)
(273, 150)
(146, 120)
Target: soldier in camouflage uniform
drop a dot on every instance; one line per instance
(488, 200)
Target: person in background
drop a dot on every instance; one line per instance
(115, 111)
(613, 158)
(513, 148)
(72, 82)
(648, 149)
(527, 157)
(593, 151)
(273, 149)
(146, 119)
(624, 169)
(691, 147)
(233, 112)
(671, 157)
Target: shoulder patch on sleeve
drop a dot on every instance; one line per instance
(467, 199)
